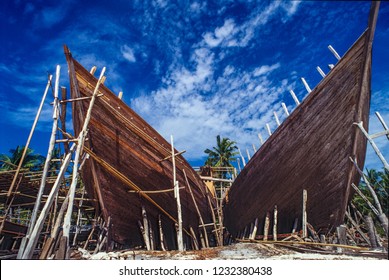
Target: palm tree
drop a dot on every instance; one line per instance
(31, 161)
(223, 154)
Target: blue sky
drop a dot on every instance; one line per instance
(194, 69)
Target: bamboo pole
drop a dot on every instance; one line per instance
(294, 97)
(275, 223)
(375, 211)
(63, 117)
(151, 234)
(304, 217)
(357, 227)
(177, 196)
(370, 188)
(146, 228)
(268, 129)
(161, 237)
(277, 119)
(370, 227)
(243, 160)
(260, 138)
(385, 126)
(197, 209)
(79, 216)
(254, 233)
(373, 145)
(248, 154)
(321, 72)
(334, 52)
(34, 237)
(307, 87)
(285, 108)
(29, 139)
(48, 157)
(195, 242)
(266, 228)
(81, 137)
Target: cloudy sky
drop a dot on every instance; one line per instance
(194, 69)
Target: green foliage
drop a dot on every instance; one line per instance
(379, 180)
(223, 154)
(32, 162)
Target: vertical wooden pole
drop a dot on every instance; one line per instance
(80, 144)
(260, 138)
(48, 157)
(194, 238)
(161, 237)
(285, 108)
(146, 228)
(268, 129)
(307, 87)
(197, 210)
(79, 216)
(152, 239)
(254, 233)
(266, 228)
(321, 72)
(275, 223)
(177, 196)
(385, 126)
(277, 119)
(304, 217)
(294, 97)
(28, 140)
(370, 227)
(33, 240)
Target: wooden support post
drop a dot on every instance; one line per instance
(146, 233)
(254, 149)
(322, 238)
(260, 138)
(79, 217)
(313, 232)
(277, 119)
(307, 87)
(385, 126)
(381, 216)
(63, 117)
(373, 145)
(294, 97)
(341, 231)
(285, 109)
(295, 224)
(254, 233)
(248, 154)
(194, 238)
(28, 142)
(197, 210)
(275, 223)
(243, 160)
(266, 228)
(152, 239)
(34, 237)
(177, 197)
(161, 237)
(371, 232)
(304, 217)
(268, 129)
(81, 138)
(120, 96)
(321, 72)
(334, 52)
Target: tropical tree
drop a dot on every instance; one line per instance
(379, 181)
(31, 161)
(223, 154)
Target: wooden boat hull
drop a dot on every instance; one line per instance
(310, 151)
(127, 157)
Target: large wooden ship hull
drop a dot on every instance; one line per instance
(127, 170)
(310, 151)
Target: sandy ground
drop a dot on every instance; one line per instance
(239, 251)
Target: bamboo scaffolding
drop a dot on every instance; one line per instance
(81, 137)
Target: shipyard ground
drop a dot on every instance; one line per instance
(238, 251)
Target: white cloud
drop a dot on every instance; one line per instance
(265, 69)
(128, 53)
